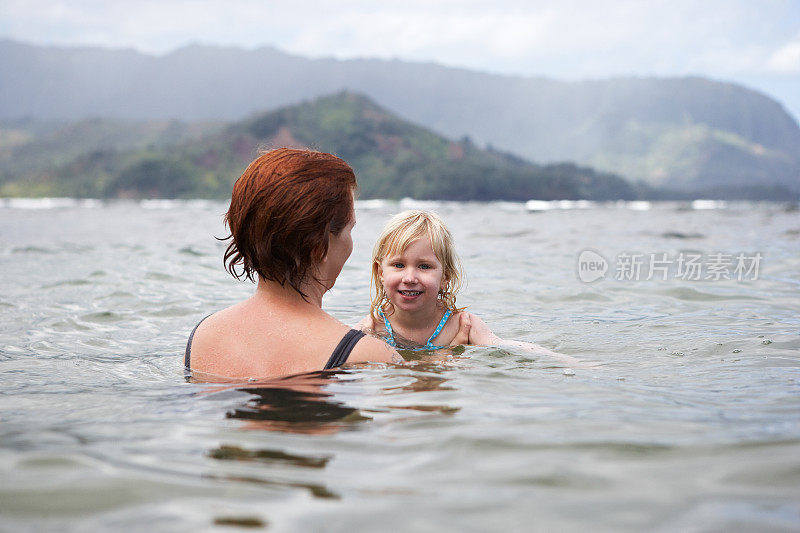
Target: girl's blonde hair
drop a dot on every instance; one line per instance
(403, 229)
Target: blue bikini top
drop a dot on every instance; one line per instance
(428, 346)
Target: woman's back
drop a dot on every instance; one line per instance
(273, 336)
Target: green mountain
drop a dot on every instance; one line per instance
(691, 134)
(77, 159)
(392, 158)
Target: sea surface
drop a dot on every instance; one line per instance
(689, 420)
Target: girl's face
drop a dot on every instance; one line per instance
(412, 279)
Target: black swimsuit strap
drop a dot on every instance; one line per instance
(187, 358)
(343, 349)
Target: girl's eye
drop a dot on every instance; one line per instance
(425, 266)
(397, 265)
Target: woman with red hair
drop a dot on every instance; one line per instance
(290, 220)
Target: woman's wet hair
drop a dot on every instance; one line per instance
(283, 207)
(403, 229)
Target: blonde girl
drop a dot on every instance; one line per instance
(416, 276)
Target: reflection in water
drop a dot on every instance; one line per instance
(296, 404)
(316, 489)
(301, 404)
(422, 383)
(442, 355)
(235, 453)
(294, 407)
(293, 404)
(249, 521)
(441, 409)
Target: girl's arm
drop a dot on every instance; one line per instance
(478, 333)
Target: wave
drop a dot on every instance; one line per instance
(547, 205)
(49, 203)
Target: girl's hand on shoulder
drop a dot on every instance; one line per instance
(367, 324)
(374, 350)
(464, 328)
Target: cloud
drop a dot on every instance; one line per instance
(786, 60)
(568, 39)
(454, 38)
(573, 39)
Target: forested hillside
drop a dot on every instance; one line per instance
(392, 158)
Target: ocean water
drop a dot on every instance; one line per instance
(690, 421)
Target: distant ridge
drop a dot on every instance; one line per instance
(688, 134)
(392, 158)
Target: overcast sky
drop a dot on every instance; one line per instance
(756, 43)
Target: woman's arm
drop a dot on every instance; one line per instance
(480, 334)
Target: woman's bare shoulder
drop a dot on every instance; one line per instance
(204, 344)
(211, 342)
(210, 326)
